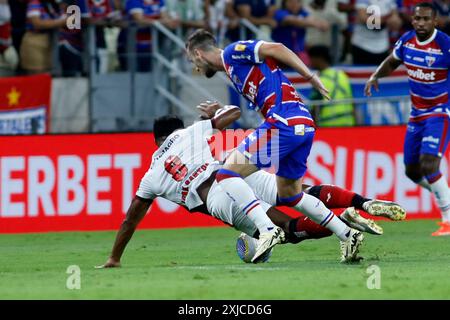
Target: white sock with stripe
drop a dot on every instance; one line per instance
(316, 210)
(241, 193)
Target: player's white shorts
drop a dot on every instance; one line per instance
(264, 185)
(222, 207)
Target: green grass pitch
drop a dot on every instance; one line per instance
(202, 263)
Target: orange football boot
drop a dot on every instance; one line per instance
(444, 230)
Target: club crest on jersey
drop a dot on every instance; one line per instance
(430, 60)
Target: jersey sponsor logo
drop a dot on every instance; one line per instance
(416, 58)
(240, 47)
(241, 56)
(430, 139)
(252, 90)
(420, 75)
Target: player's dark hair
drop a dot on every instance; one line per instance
(200, 39)
(426, 5)
(164, 126)
(320, 52)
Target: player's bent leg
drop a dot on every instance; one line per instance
(335, 197)
(231, 181)
(246, 160)
(414, 172)
(222, 207)
(291, 195)
(316, 210)
(439, 187)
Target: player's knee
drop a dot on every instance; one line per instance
(428, 166)
(413, 173)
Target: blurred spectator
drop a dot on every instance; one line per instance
(36, 50)
(370, 42)
(258, 12)
(292, 22)
(8, 55)
(325, 10)
(71, 43)
(102, 14)
(220, 18)
(443, 11)
(18, 21)
(338, 83)
(349, 8)
(191, 13)
(143, 13)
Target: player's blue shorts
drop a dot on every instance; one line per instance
(429, 136)
(285, 148)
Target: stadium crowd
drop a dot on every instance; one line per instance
(32, 30)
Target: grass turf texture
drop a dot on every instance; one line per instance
(203, 264)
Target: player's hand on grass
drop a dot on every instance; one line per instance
(318, 85)
(208, 109)
(373, 81)
(111, 263)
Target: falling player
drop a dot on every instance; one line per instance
(183, 171)
(284, 139)
(425, 51)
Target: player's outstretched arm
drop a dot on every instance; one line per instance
(221, 117)
(281, 53)
(135, 214)
(384, 69)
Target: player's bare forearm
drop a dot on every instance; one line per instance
(284, 55)
(281, 53)
(386, 67)
(221, 117)
(225, 117)
(135, 214)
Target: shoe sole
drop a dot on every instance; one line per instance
(388, 210)
(362, 224)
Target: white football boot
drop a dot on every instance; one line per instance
(350, 247)
(267, 241)
(387, 209)
(354, 220)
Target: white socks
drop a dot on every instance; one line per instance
(424, 184)
(442, 195)
(241, 193)
(319, 213)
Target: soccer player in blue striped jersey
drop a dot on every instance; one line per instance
(425, 52)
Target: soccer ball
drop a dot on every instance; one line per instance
(246, 249)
